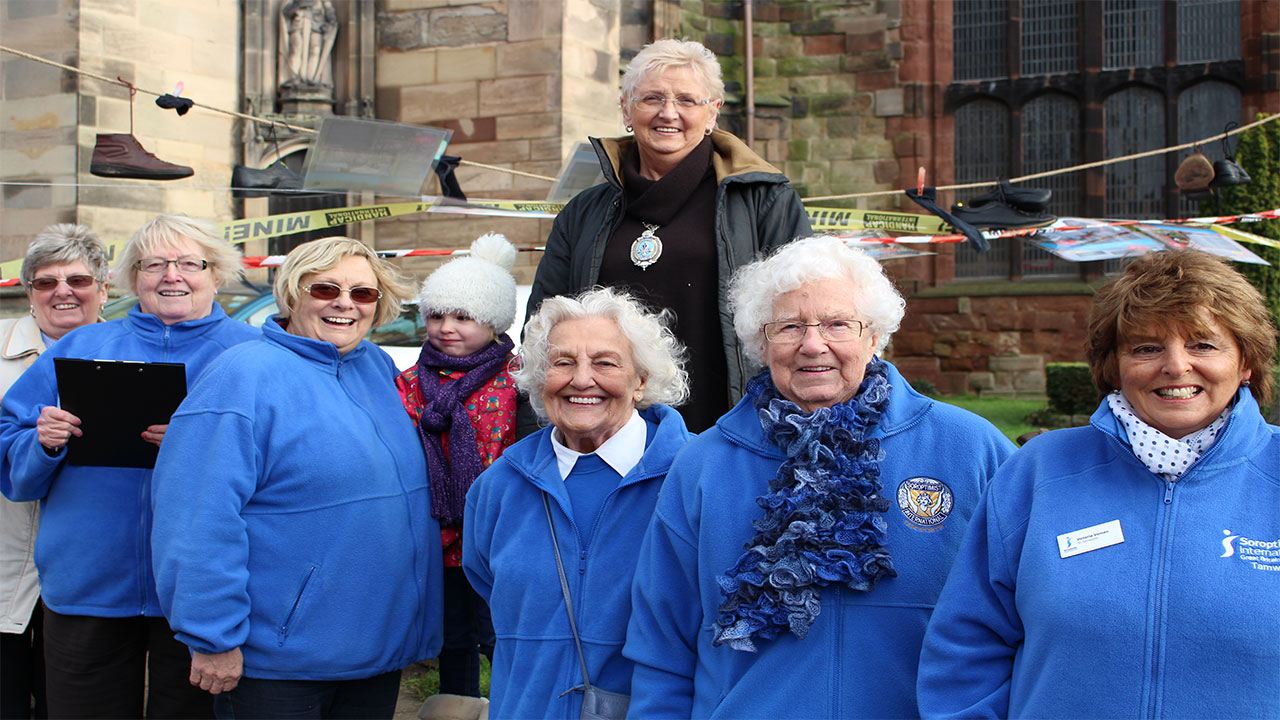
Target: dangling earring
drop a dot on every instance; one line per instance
(630, 129)
(32, 310)
(708, 132)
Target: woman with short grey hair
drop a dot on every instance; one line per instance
(65, 275)
(809, 532)
(682, 206)
(599, 368)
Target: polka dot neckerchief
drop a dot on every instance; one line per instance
(1163, 455)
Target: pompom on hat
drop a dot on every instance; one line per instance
(478, 285)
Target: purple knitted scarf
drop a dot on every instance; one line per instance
(444, 410)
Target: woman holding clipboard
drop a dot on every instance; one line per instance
(105, 636)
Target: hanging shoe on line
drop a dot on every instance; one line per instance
(1228, 173)
(999, 216)
(120, 155)
(1032, 200)
(247, 182)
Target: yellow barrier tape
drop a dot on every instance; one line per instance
(822, 219)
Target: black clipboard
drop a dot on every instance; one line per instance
(116, 400)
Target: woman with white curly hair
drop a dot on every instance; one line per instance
(561, 514)
(808, 534)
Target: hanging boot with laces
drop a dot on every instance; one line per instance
(120, 155)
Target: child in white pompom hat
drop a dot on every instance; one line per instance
(464, 403)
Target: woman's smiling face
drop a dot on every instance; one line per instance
(667, 134)
(340, 321)
(1179, 381)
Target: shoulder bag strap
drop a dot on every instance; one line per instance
(564, 588)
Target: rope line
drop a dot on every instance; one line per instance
(133, 88)
(847, 196)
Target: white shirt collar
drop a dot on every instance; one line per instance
(622, 451)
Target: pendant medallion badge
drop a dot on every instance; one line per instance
(646, 249)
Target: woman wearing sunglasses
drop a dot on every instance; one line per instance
(65, 274)
(295, 551)
(104, 631)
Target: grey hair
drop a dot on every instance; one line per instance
(658, 355)
(65, 243)
(169, 230)
(660, 55)
(755, 286)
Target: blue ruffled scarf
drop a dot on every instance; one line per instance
(822, 521)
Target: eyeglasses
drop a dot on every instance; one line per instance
(45, 284)
(329, 291)
(185, 265)
(657, 102)
(790, 331)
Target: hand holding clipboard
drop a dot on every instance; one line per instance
(121, 409)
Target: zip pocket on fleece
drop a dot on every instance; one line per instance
(293, 609)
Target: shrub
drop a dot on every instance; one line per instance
(924, 387)
(1069, 386)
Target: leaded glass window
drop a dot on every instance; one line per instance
(1134, 33)
(979, 32)
(1135, 123)
(982, 153)
(1208, 30)
(1051, 140)
(1050, 36)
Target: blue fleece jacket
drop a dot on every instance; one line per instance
(293, 515)
(859, 658)
(93, 548)
(508, 557)
(1178, 620)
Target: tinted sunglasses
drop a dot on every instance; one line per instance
(329, 291)
(45, 284)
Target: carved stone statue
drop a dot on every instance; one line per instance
(307, 31)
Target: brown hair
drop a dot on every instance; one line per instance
(1168, 290)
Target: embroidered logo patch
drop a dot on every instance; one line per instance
(1258, 554)
(925, 502)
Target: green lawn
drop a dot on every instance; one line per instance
(1008, 414)
(424, 680)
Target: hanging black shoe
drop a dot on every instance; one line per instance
(998, 216)
(247, 182)
(928, 199)
(1033, 200)
(1228, 173)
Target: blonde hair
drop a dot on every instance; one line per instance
(168, 231)
(323, 254)
(667, 53)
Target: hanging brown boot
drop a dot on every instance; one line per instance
(120, 155)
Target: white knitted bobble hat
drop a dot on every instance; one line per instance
(478, 285)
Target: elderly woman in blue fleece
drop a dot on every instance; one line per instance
(798, 546)
(1131, 568)
(602, 371)
(295, 551)
(107, 648)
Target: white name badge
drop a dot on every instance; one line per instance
(1090, 538)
